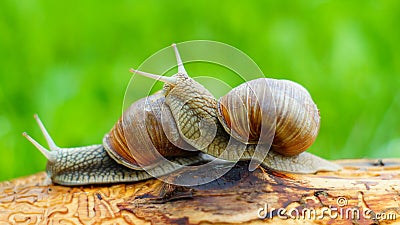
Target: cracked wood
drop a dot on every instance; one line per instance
(234, 198)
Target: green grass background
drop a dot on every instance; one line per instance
(68, 62)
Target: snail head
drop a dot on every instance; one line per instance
(180, 79)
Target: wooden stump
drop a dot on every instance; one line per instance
(364, 192)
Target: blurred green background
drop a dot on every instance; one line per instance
(69, 63)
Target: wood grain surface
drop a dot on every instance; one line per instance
(371, 187)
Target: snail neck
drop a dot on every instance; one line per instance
(194, 110)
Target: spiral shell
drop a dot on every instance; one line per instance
(138, 140)
(264, 109)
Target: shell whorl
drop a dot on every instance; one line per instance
(139, 138)
(262, 109)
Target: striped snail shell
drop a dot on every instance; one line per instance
(139, 139)
(251, 111)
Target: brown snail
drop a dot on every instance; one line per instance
(115, 160)
(195, 121)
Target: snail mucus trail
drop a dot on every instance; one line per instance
(197, 121)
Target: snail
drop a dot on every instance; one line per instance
(198, 115)
(116, 160)
(195, 124)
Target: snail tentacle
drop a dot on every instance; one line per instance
(181, 68)
(171, 80)
(50, 156)
(50, 142)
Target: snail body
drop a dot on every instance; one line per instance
(239, 126)
(93, 165)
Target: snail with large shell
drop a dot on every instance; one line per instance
(242, 125)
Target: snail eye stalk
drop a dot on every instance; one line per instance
(170, 80)
(181, 68)
(50, 155)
